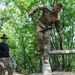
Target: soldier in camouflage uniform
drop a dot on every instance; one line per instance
(5, 63)
(44, 25)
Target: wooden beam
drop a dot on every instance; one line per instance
(58, 52)
(45, 56)
(61, 52)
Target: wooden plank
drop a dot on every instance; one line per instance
(61, 52)
(58, 52)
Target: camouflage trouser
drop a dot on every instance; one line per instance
(43, 38)
(7, 66)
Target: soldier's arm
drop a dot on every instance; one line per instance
(0, 49)
(57, 25)
(39, 7)
(11, 57)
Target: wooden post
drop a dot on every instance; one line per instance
(46, 68)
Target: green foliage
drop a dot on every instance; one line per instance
(15, 22)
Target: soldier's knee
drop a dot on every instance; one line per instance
(1, 69)
(47, 41)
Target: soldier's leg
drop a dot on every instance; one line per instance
(6, 67)
(39, 37)
(40, 44)
(10, 68)
(2, 66)
(3, 72)
(10, 71)
(46, 42)
(1, 69)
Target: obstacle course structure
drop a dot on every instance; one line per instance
(46, 68)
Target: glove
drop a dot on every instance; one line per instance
(2, 64)
(14, 64)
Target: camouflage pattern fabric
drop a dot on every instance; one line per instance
(7, 66)
(45, 23)
(48, 16)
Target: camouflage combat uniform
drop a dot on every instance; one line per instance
(7, 66)
(44, 27)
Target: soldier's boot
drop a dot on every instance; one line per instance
(39, 52)
(46, 59)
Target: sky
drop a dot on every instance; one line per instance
(1, 6)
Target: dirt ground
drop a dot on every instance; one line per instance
(57, 73)
(63, 73)
(15, 73)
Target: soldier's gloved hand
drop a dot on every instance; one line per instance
(2, 64)
(29, 14)
(14, 64)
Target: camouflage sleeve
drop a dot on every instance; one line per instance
(57, 25)
(39, 7)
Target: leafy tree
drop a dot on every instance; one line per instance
(14, 21)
